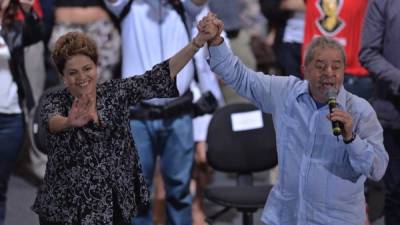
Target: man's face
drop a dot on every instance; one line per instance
(325, 71)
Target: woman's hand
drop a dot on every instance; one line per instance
(81, 112)
(210, 28)
(26, 5)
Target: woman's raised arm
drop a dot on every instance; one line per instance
(208, 30)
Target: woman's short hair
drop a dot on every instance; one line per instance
(71, 44)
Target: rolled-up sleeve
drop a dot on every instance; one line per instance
(367, 154)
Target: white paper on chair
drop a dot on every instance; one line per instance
(247, 121)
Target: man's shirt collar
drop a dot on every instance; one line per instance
(340, 99)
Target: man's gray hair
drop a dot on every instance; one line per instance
(322, 42)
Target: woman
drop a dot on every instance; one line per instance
(14, 84)
(91, 18)
(93, 175)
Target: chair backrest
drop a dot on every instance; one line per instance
(241, 139)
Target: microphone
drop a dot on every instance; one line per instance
(331, 94)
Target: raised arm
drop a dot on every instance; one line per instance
(160, 82)
(263, 90)
(206, 33)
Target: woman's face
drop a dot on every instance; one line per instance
(80, 76)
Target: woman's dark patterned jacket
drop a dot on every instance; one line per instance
(93, 175)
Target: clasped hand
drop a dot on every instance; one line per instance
(210, 28)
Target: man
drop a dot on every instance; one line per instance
(341, 20)
(380, 52)
(321, 176)
(152, 31)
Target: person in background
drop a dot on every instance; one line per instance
(93, 175)
(321, 176)
(32, 162)
(91, 18)
(15, 90)
(204, 81)
(289, 47)
(380, 54)
(153, 30)
(242, 19)
(207, 81)
(244, 23)
(276, 18)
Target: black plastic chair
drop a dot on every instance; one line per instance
(242, 153)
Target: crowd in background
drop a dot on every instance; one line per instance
(267, 35)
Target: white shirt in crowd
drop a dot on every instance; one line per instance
(8, 88)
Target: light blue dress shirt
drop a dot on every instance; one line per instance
(321, 179)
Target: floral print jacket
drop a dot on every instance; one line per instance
(94, 171)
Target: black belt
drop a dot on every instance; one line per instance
(181, 106)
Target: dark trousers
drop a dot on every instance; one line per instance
(11, 136)
(392, 177)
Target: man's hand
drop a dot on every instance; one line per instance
(210, 28)
(347, 121)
